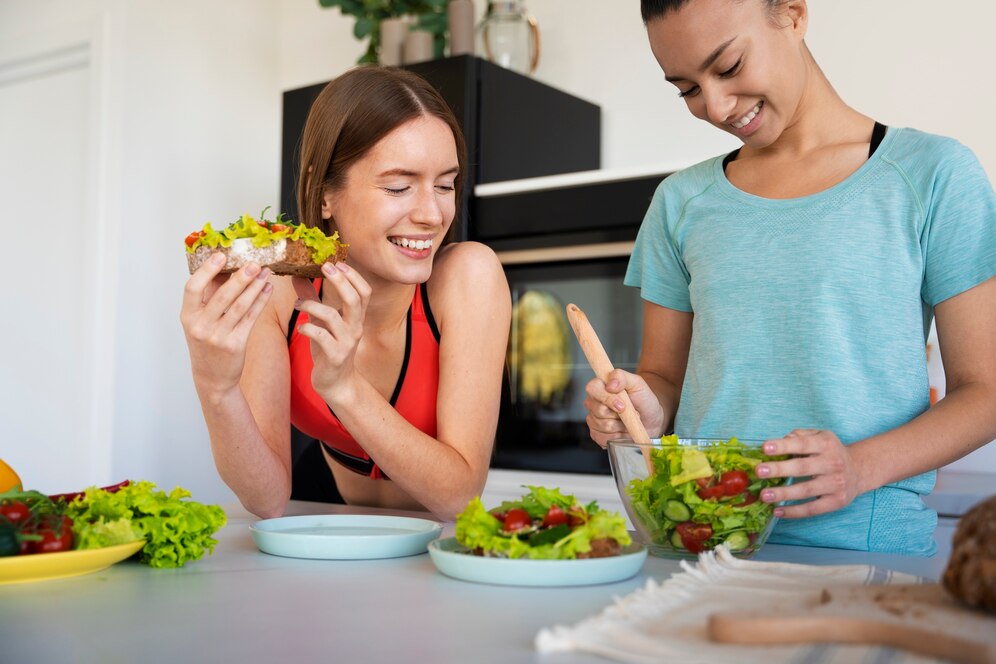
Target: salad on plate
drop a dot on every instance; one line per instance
(542, 525)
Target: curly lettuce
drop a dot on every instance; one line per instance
(675, 469)
(477, 528)
(263, 233)
(176, 530)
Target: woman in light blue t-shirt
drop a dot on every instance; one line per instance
(789, 286)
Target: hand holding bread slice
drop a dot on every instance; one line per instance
(284, 247)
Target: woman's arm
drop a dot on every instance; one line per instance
(655, 389)
(240, 368)
(472, 307)
(963, 421)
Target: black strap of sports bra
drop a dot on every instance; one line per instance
(878, 133)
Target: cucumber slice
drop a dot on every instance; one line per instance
(676, 540)
(737, 540)
(550, 535)
(677, 511)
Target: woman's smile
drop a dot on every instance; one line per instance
(413, 246)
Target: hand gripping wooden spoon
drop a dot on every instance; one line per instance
(602, 366)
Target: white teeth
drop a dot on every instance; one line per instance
(418, 245)
(745, 120)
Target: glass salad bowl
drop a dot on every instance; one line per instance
(688, 495)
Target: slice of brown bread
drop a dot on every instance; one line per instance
(284, 257)
(971, 571)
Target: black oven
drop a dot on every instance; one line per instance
(561, 240)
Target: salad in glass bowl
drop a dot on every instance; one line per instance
(688, 495)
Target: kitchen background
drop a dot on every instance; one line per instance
(124, 124)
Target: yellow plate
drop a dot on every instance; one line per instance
(39, 566)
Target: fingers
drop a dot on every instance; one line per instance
(248, 305)
(344, 324)
(305, 289)
(619, 380)
(201, 280)
(352, 289)
(600, 401)
(226, 295)
(603, 413)
(819, 495)
(820, 458)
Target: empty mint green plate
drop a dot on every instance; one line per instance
(452, 559)
(344, 536)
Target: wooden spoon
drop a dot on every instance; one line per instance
(602, 366)
(919, 618)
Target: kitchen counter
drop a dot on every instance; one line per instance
(241, 605)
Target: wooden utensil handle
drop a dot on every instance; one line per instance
(780, 630)
(600, 363)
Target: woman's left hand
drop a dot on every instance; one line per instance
(335, 334)
(830, 475)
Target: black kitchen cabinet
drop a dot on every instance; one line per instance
(515, 126)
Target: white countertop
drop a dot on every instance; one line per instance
(241, 605)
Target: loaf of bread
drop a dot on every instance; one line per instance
(971, 572)
(285, 248)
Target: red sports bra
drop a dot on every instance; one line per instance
(414, 394)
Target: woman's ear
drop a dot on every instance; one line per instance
(327, 206)
(795, 15)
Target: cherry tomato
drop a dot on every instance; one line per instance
(734, 482)
(693, 535)
(576, 516)
(276, 228)
(15, 511)
(192, 238)
(704, 482)
(749, 499)
(717, 491)
(56, 535)
(555, 516)
(517, 519)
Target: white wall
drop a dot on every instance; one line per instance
(189, 132)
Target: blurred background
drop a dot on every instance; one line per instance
(124, 125)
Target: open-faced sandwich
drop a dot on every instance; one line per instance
(543, 524)
(283, 246)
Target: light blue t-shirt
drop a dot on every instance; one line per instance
(813, 312)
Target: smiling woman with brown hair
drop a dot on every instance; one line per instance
(789, 285)
(403, 395)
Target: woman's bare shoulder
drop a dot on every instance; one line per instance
(466, 257)
(464, 273)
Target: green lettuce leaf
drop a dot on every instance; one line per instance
(262, 235)
(476, 528)
(176, 530)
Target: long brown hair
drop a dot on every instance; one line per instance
(349, 116)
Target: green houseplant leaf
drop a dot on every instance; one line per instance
(430, 16)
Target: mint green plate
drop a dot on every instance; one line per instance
(344, 536)
(452, 559)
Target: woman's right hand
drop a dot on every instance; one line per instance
(604, 405)
(217, 315)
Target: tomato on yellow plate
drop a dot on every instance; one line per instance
(39, 566)
(8, 478)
